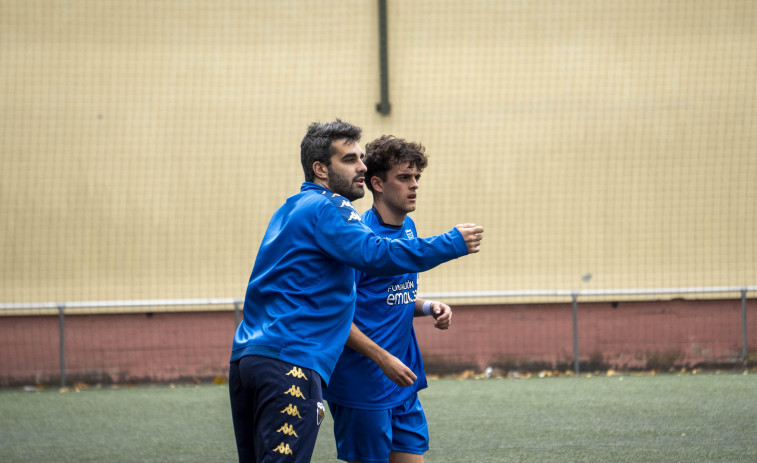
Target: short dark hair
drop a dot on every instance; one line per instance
(316, 145)
(387, 151)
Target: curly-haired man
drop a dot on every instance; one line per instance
(373, 393)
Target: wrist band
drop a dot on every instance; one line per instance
(427, 307)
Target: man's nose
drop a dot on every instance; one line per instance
(361, 167)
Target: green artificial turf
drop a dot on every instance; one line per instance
(664, 418)
(600, 419)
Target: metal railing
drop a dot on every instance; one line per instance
(237, 304)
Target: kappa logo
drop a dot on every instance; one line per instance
(409, 233)
(294, 391)
(354, 216)
(288, 429)
(341, 202)
(283, 449)
(291, 410)
(297, 373)
(321, 414)
(353, 213)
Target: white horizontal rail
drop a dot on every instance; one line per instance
(440, 295)
(120, 304)
(593, 292)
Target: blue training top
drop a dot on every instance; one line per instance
(301, 295)
(384, 312)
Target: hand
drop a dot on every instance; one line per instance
(473, 235)
(442, 314)
(397, 371)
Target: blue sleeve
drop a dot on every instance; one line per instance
(346, 239)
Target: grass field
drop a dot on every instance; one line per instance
(664, 418)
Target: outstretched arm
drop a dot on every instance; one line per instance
(354, 244)
(392, 367)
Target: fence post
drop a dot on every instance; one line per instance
(383, 106)
(576, 369)
(743, 327)
(62, 346)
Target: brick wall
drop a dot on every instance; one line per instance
(186, 346)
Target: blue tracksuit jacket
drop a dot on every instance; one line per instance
(301, 295)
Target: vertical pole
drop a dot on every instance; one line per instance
(62, 346)
(383, 107)
(576, 369)
(236, 314)
(743, 327)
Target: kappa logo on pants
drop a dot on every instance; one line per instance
(294, 391)
(297, 373)
(291, 410)
(288, 429)
(283, 449)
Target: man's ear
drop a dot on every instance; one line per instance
(320, 170)
(377, 184)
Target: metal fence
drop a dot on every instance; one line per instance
(574, 296)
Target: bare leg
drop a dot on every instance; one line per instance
(401, 457)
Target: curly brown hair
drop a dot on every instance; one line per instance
(387, 151)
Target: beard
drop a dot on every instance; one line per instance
(344, 186)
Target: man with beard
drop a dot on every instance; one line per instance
(300, 298)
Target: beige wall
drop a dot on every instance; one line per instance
(145, 144)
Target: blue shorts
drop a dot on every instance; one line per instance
(277, 409)
(369, 436)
